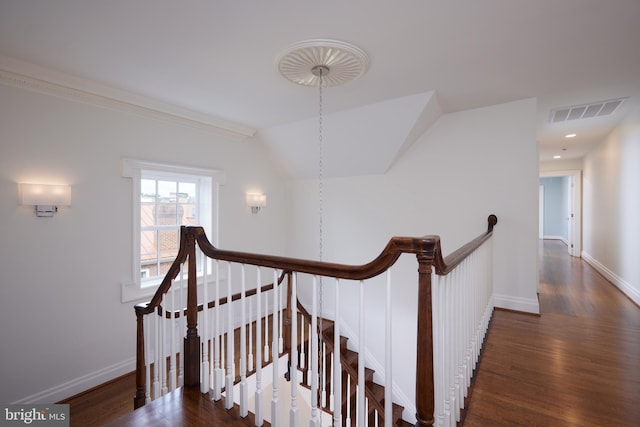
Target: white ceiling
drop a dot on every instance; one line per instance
(215, 61)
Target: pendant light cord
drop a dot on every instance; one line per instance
(320, 219)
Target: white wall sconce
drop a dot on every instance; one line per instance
(256, 201)
(45, 198)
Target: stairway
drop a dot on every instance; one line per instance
(374, 393)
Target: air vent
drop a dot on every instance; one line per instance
(586, 111)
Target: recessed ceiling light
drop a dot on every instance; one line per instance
(557, 157)
(571, 135)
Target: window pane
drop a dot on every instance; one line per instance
(148, 253)
(147, 202)
(187, 203)
(168, 244)
(166, 209)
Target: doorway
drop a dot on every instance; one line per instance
(573, 215)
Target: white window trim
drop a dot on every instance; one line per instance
(132, 289)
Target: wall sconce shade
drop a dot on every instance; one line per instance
(45, 198)
(256, 201)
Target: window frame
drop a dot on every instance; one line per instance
(210, 181)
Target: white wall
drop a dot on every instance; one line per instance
(62, 325)
(612, 207)
(468, 165)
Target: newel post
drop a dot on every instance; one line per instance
(424, 358)
(140, 398)
(192, 340)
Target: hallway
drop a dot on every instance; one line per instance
(577, 364)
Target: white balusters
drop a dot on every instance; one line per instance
(266, 326)
(388, 409)
(244, 391)
(250, 366)
(280, 328)
(360, 390)
(337, 371)
(173, 380)
(204, 369)
(230, 376)
(275, 418)
(259, 416)
(313, 336)
(293, 367)
(218, 372)
(462, 307)
(310, 355)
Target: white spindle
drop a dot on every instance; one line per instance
(331, 395)
(360, 418)
(172, 355)
(266, 326)
(293, 367)
(275, 419)
(438, 340)
(250, 326)
(309, 356)
(449, 349)
(280, 328)
(337, 371)
(388, 408)
(259, 416)
(218, 372)
(228, 404)
(323, 378)
(204, 370)
(244, 391)
(313, 336)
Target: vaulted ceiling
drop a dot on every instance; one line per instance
(213, 62)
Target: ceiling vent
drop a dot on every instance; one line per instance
(586, 111)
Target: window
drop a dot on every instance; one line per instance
(166, 197)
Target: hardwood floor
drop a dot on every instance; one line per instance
(577, 364)
(104, 403)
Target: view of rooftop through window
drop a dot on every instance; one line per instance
(165, 205)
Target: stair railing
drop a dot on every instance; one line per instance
(202, 361)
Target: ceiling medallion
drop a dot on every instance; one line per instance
(340, 62)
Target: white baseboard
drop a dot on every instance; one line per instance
(624, 286)
(527, 305)
(80, 384)
(561, 238)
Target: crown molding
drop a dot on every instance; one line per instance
(121, 101)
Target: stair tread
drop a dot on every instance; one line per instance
(349, 359)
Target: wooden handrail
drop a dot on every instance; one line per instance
(444, 266)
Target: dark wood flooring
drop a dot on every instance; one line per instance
(577, 364)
